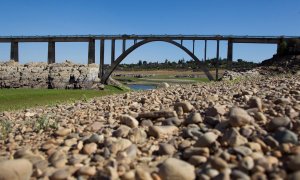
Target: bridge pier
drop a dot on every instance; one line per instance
(193, 46)
(51, 52)
(101, 66)
(229, 54)
(91, 51)
(113, 45)
(217, 60)
(14, 51)
(205, 49)
(124, 45)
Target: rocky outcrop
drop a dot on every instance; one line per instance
(42, 75)
(289, 63)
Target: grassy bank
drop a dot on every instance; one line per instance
(159, 76)
(13, 99)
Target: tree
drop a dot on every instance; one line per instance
(140, 63)
(144, 62)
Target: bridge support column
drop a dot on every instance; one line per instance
(91, 51)
(51, 52)
(14, 51)
(205, 49)
(124, 45)
(113, 45)
(101, 66)
(217, 60)
(229, 54)
(193, 46)
(134, 41)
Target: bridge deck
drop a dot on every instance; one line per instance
(86, 38)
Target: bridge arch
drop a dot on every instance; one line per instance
(114, 65)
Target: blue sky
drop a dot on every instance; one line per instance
(71, 17)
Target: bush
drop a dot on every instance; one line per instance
(282, 48)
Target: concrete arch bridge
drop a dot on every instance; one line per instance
(140, 40)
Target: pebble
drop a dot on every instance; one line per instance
(160, 131)
(122, 131)
(286, 136)
(255, 102)
(60, 175)
(218, 163)
(96, 126)
(95, 138)
(166, 149)
(89, 148)
(233, 138)
(294, 163)
(247, 163)
(206, 140)
(194, 118)
(260, 117)
(137, 136)
(63, 132)
(277, 122)
(186, 106)
(87, 170)
(18, 169)
(129, 121)
(216, 110)
(294, 176)
(176, 169)
(239, 117)
(197, 160)
(120, 145)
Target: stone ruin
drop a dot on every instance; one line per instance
(65, 75)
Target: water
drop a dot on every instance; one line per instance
(141, 86)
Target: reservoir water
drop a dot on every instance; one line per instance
(141, 86)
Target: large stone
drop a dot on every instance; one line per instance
(255, 102)
(160, 131)
(233, 138)
(277, 122)
(216, 110)
(90, 148)
(193, 118)
(176, 169)
(63, 132)
(129, 121)
(20, 169)
(120, 145)
(286, 136)
(166, 149)
(60, 174)
(137, 136)
(239, 117)
(186, 106)
(294, 163)
(206, 140)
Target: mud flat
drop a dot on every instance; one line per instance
(246, 129)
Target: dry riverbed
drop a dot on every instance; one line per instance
(224, 130)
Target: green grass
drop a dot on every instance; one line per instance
(13, 99)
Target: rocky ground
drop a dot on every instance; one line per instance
(247, 129)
